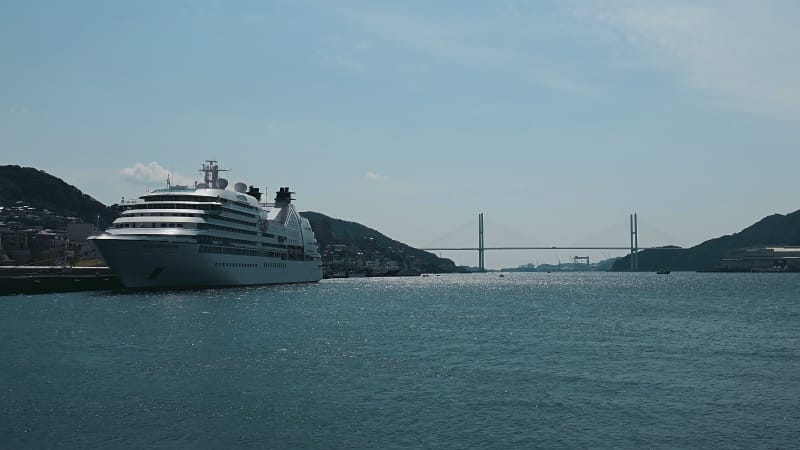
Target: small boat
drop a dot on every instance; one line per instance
(662, 272)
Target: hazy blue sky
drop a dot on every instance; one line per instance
(555, 118)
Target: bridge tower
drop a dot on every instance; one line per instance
(481, 248)
(634, 243)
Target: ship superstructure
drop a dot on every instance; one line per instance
(209, 235)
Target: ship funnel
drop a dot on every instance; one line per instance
(284, 195)
(255, 193)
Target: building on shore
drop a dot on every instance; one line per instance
(38, 246)
(762, 259)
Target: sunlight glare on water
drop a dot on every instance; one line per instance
(452, 361)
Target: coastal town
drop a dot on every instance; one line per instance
(38, 237)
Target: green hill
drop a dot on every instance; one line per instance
(41, 190)
(777, 229)
(331, 231)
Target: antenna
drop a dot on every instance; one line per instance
(211, 173)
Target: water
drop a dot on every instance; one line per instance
(456, 361)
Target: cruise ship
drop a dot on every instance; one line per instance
(209, 235)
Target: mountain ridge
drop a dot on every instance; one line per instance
(331, 231)
(42, 190)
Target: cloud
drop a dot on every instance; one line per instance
(745, 53)
(344, 62)
(372, 176)
(496, 43)
(739, 53)
(383, 183)
(148, 174)
(440, 39)
(363, 46)
(254, 17)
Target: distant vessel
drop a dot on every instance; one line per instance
(662, 272)
(208, 235)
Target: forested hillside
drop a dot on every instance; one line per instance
(41, 190)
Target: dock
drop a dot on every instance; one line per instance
(48, 279)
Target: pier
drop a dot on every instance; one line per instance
(47, 279)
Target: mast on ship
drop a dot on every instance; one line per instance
(211, 177)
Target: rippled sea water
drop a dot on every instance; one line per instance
(536, 360)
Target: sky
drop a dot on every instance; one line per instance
(556, 119)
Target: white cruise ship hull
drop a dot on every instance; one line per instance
(145, 263)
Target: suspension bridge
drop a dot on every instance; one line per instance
(634, 247)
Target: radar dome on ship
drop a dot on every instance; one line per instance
(222, 183)
(240, 187)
